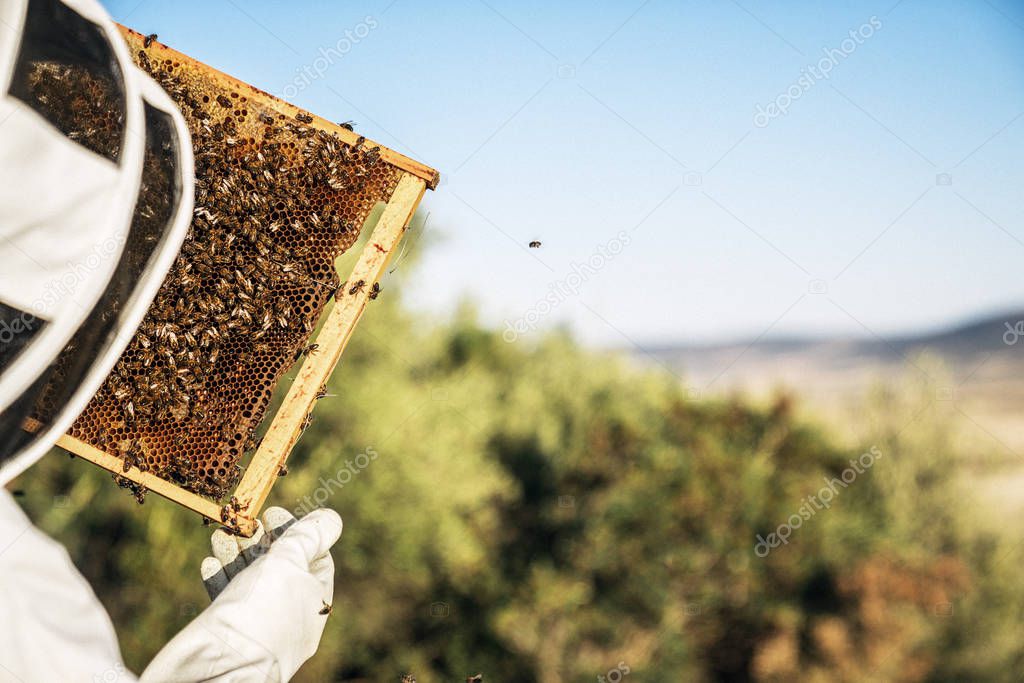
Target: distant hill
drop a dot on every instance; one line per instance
(795, 360)
(957, 344)
(985, 373)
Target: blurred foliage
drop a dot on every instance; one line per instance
(538, 512)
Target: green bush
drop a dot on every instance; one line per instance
(538, 512)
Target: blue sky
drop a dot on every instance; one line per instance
(886, 199)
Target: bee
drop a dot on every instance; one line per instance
(375, 290)
(283, 471)
(308, 350)
(148, 40)
(235, 505)
(223, 101)
(535, 244)
(326, 609)
(267, 119)
(358, 286)
(302, 117)
(348, 125)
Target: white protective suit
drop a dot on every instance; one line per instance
(262, 626)
(68, 198)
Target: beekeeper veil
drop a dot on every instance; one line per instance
(95, 197)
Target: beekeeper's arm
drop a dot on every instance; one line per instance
(52, 627)
(263, 625)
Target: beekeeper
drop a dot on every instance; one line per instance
(69, 289)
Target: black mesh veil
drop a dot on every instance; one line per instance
(66, 72)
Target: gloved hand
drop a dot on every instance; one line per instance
(272, 595)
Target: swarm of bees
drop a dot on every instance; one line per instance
(276, 201)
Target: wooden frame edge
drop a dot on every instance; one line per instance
(161, 487)
(287, 424)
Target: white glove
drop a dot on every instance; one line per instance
(272, 595)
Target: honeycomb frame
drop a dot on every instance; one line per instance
(411, 180)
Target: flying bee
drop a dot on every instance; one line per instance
(535, 244)
(148, 40)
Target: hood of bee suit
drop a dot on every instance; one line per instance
(95, 198)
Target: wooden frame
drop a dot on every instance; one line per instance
(338, 325)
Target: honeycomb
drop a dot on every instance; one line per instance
(277, 200)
